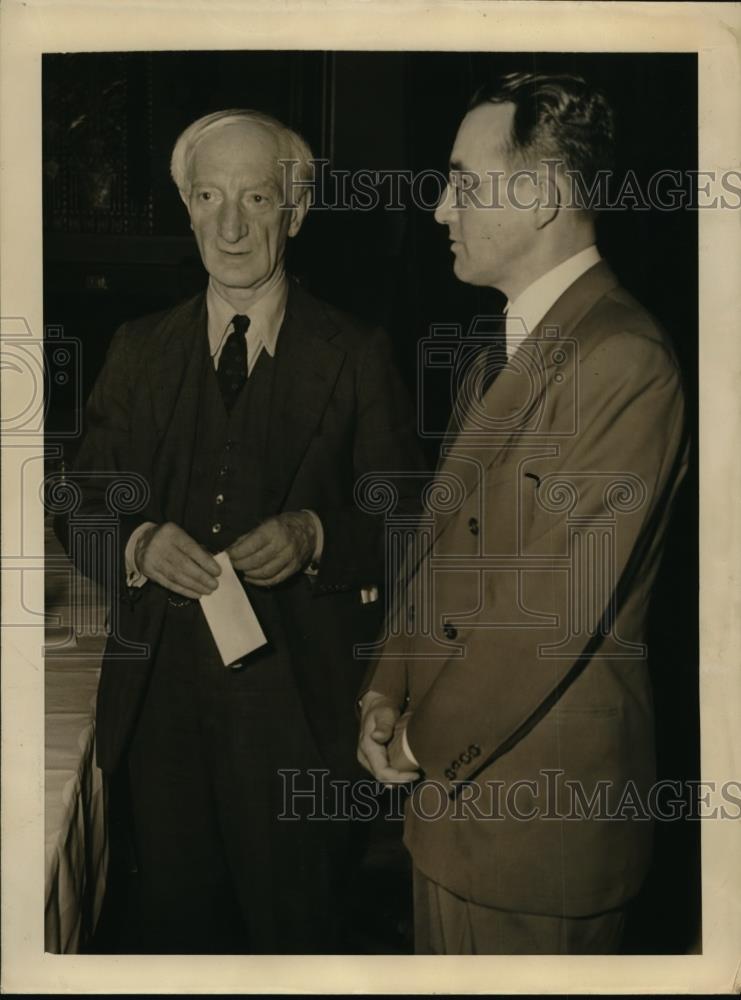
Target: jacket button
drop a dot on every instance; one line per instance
(215, 528)
(223, 470)
(450, 631)
(219, 498)
(473, 525)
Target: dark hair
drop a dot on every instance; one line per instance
(556, 117)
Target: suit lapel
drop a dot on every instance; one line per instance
(173, 369)
(307, 365)
(175, 376)
(516, 402)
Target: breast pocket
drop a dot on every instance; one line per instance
(529, 484)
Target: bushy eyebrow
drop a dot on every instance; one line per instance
(262, 185)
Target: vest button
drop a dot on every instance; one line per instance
(215, 528)
(219, 498)
(223, 470)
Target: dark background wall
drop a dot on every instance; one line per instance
(117, 245)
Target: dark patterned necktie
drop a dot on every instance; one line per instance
(232, 368)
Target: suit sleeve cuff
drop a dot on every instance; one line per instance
(134, 577)
(407, 750)
(313, 568)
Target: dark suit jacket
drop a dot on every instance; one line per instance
(339, 410)
(566, 474)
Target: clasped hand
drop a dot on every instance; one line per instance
(276, 549)
(380, 745)
(265, 556)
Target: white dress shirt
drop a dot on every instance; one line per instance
(266, 318)
(525, 312)
(523, 315)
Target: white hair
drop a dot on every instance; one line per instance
(291, 145)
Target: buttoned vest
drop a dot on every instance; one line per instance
(229, 458)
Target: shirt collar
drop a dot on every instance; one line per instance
(266, 318)
(530, 306)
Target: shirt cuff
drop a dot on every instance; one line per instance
(135, 578)
(405, 748)
(313, 568)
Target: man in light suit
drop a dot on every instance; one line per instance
(527, 707)
(246, 413)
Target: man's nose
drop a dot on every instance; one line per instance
(232, 222)
(443, 210)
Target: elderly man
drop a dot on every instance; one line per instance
(249, 412)
(528, 709)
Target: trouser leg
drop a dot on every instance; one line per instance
(229, 861)
(447, 924)
(186, 902)
(284, 855)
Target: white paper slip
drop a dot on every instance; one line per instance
(230, 616)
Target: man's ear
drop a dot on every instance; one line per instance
(549, 196)
(298, 214)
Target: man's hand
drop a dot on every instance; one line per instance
(398, 756)
(377, 721)
(169, 556)
(276, 549)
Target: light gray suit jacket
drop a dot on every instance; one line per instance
(529, 695)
